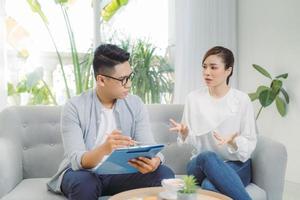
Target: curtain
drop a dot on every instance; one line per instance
(3, 92)
(195, 27)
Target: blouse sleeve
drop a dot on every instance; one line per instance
(246, 140)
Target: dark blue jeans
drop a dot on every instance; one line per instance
(229, 178)
(86, 185)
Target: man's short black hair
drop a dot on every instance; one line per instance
(106, 57)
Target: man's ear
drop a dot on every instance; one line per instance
(100, 80)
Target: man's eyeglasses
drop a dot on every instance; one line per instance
(123, 80)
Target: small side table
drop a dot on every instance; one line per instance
(151, 193)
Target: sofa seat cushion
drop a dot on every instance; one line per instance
(34, 189)
(256, 192)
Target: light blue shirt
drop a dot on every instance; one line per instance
(80, 122)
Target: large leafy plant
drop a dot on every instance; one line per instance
(82, 69)
(32, 85)
(267, 94)
(153, 80)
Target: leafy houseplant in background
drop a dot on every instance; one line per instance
(32, 85)
(189, 189)
(153, 74)
(268, 94)
(81, 68)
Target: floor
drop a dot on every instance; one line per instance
(291, 191)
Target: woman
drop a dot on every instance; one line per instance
(219, 122)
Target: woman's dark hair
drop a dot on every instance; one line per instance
(106, 57)
(225, 54)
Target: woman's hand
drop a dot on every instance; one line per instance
(179, 127)
(145, 165)
(226, 140)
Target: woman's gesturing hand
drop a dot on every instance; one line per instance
(179, 127)
(225, 139)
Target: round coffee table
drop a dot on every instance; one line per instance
(151, 193)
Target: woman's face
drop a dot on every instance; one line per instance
(214, 72)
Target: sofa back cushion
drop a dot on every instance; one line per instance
(176, 156)
(36, 129)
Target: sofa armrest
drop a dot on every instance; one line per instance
(268, 167)
(10, 165)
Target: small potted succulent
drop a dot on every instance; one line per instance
(189, 190)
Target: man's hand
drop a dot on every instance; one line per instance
(145, 165)
(116, 140)
(225, 140)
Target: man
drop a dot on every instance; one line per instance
(100, 121)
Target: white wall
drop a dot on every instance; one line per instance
(269, 35)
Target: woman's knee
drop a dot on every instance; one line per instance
(206, 157)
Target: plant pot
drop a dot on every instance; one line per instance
(186, 196)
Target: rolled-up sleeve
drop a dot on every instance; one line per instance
(72, 136)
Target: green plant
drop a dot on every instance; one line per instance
(268, 94)
(152, 80)
(33, 85)
(190, 185)
(81, 67)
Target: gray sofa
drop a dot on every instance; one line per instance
(31, 150)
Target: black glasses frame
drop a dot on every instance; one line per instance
(123, 80)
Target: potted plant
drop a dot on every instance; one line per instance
(189, 189)
(272, 92)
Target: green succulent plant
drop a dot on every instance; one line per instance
(190, 185)
(274, 92)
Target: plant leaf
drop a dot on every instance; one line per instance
(266, 98)
(10, 89)
(285, 94)
(275, 86)
(281, 107)
(260, 89)
(262, 71)
(111, 8)
(282, 75)
(36, 7)
(253, 96)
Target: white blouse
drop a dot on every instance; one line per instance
(233, 113)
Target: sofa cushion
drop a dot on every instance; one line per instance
(35, 189)
(256, 192)
(32, 189)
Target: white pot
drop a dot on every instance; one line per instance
(186, 196)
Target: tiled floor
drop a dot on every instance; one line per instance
(291, 191)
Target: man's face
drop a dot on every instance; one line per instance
(116, 85)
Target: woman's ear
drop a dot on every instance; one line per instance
(229, 70)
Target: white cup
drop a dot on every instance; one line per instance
(172, 185)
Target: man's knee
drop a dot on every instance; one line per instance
(81, 184)
(164, 172)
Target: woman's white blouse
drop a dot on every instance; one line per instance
(230, 114)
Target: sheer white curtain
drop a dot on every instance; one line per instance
(196, 26)
(3, 93)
